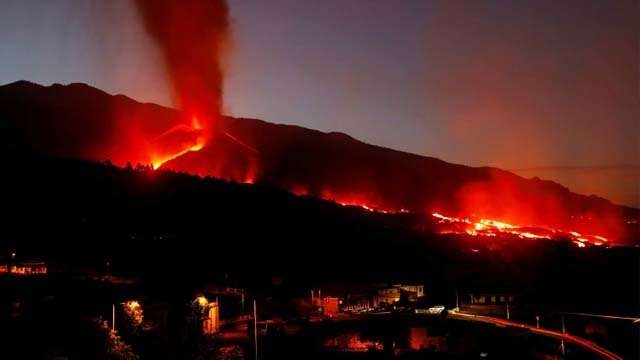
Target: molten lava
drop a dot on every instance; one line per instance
(471, 225)
(177, 141)
(353, 200)
(369, 208)
(490, 228)
(475, 226)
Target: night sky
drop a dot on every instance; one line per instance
(548, 88)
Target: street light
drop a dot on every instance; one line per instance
(562, 348)
(457, 301)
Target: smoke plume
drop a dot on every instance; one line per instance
(192, 35)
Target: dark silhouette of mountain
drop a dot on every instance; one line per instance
(79, 121)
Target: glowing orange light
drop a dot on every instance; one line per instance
(171, 144)
(195, 123)
(134, 313)
(25, 269)
(490, 228)
(356, 201)
(161, 160)
(202, 301)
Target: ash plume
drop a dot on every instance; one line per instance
(192, 35)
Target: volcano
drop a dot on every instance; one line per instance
(79, 121)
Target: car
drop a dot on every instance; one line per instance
(436, 310)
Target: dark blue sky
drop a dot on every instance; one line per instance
(515, 84)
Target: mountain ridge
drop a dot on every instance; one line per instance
(92, 124)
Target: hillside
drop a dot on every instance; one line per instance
(79, 121)
(176, 230)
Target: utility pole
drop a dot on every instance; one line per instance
(508, 315)
(255, 330)
(113, 317)
(12, 262)
(242, 302)
(218, 312)
(562, 349)
(457, 301)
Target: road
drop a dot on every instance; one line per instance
(612, 317)
(586, 344)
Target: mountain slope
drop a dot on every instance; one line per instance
(82, 122)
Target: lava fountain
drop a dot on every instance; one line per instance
(192, 36)
(177, 141)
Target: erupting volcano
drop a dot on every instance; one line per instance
(176, 228)
(330, 166)
(192, 37)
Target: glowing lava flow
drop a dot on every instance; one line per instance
(488, 227)
(373, 209)
(177, 141)
(367, 207)
(474, 226)
(158, 161)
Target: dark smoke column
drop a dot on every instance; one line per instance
(192, 35)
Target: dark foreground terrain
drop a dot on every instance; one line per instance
(62, 318)
(163, 225)
(110, 234)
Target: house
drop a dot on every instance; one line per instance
(331, 305)
(27, 268)
(208, 314)
(495, 303)
(392, 294)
